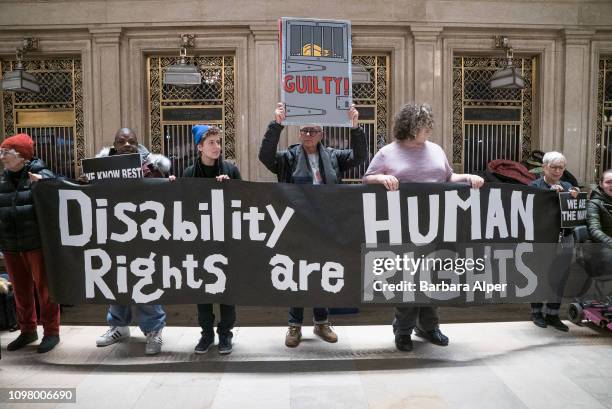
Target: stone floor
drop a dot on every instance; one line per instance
(487, 365)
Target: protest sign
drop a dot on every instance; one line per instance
(573, 210)
(316, 84)
(127, 166)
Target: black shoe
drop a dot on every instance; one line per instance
(204, 344)
(225, 344)
(555, 322)
(48, 343)
(538, 319)
(435, 336)
(403, 343)
(22, 340)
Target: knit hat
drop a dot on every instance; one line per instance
(198, 132)
(22, 144)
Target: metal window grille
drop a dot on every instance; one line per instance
(53, 117)
(173, 111)
(603, 130)
(490, 124)
(372, 101)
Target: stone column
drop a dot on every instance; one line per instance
(264, 93)
(428, 74)
(106, 85)
(577, 99)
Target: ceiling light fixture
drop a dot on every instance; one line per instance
(20, 80)
(182, 74)
(508, 76)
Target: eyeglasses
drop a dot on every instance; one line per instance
(556, 168)
(312, 131)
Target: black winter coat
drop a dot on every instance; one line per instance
(18, 224)
(283, 163)
(223, 168)
(599, 217)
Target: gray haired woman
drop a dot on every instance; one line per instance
(553, 166)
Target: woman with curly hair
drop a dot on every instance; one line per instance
(413, 158)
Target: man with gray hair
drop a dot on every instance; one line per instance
(310, 162)
(553, 166)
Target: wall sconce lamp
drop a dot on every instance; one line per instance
(20, 80)
(181, 74)
(508, 76)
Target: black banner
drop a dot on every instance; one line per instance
(199, 241)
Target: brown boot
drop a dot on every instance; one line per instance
(325, 332)
(293, 337)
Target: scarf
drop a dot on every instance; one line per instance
(302, 173)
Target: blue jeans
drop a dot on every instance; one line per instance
(150, 317)
(296, 316)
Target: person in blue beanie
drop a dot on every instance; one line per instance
(209, 164)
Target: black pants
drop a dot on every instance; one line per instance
(206, 319)
(557, 281)
(552, 308)
(406, 318)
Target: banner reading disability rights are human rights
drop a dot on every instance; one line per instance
(201, 241)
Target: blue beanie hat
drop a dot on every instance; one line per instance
(198, 131)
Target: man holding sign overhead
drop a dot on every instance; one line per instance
(310, 162)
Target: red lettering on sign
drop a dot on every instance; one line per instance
(337, 82)
(327, 81)
(311, 84)
(301, 83)
(288, 83)
(315, 86)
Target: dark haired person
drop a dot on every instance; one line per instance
(599, 222)
(310, 162)
(151, 317)
(553, 166)
(209, 164)
(20, 242)
(413, 158)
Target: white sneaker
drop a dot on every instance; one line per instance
(153, 344)
(114, 334)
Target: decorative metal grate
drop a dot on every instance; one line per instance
(603, 130)
(490, 123)
(372, 101)
(53, 117)
(173, 110)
